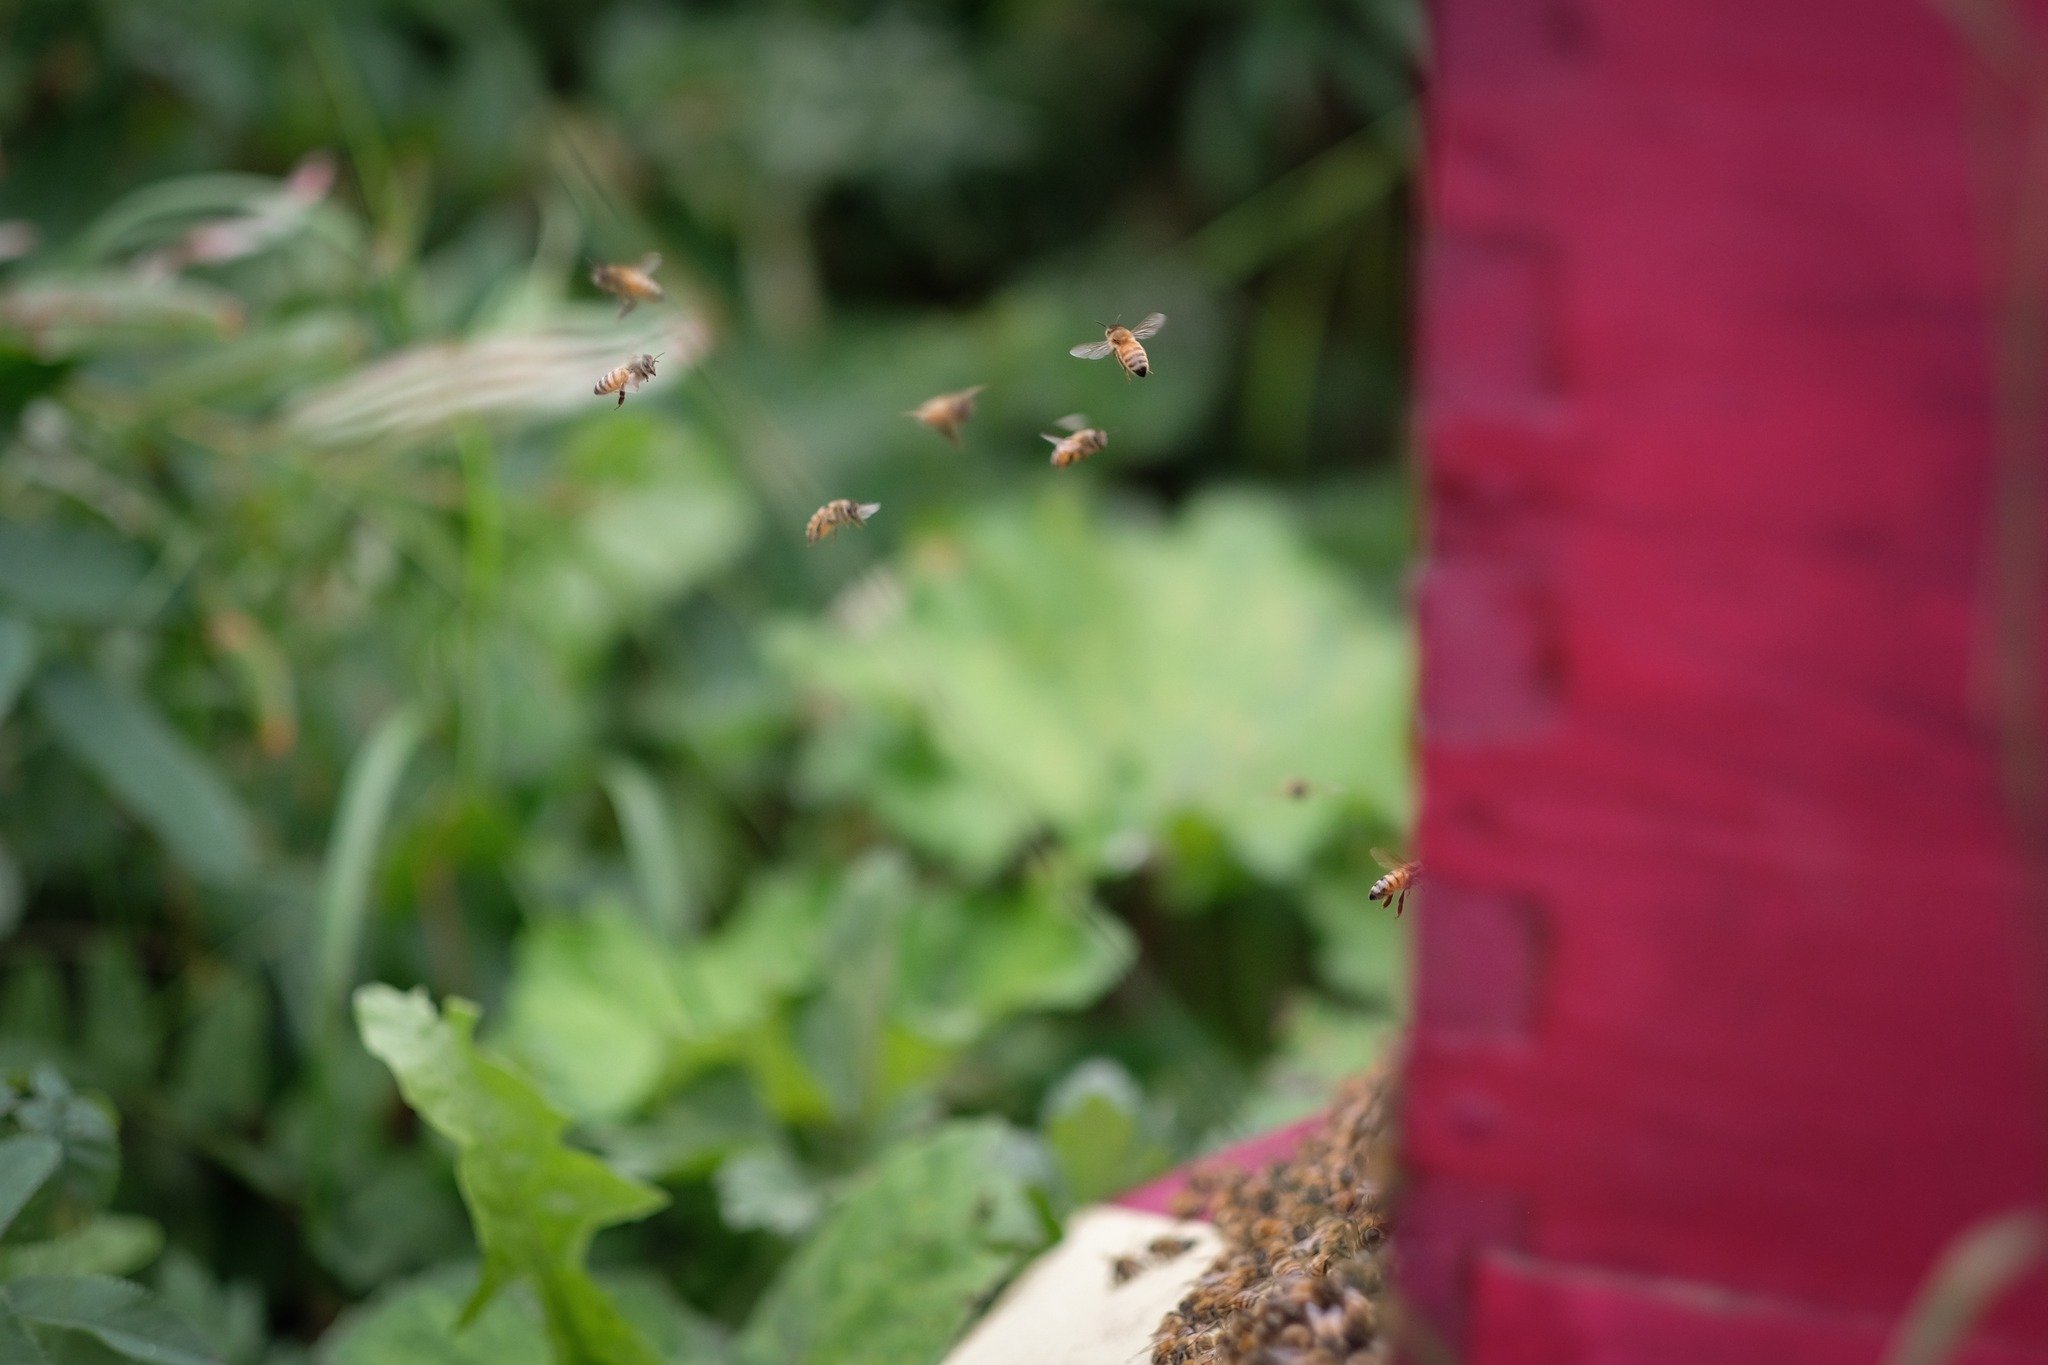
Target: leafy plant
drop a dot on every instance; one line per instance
(60, 1249)
(535, 1202)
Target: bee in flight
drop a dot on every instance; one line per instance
(1081, 441)
(630, 284)
(1393, 888)
(837, 513)
(947, 413)
(1123, 341)
(630, 375)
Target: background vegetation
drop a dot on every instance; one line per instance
(837, 916)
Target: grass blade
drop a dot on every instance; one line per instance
(367, 795)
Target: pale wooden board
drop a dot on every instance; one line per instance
(1065, 1308)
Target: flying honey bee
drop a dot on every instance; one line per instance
(630, 375)
(947, 413)
(1123, 342)
(837, 513)
(1393, 888)
(1081, 442)
(630, 284)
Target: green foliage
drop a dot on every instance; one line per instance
(899, 1266)
(1096, 1124)
(345, 636)
(59, 1248)
(536, 1202)
(1155, 675)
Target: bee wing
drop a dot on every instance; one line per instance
(1054, 439)
(1093, 350)
(1384, 859)
(969, 393)
(866, 510)
(1149, 326)
(1073, 421)
(651, 262)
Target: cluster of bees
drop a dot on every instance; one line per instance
(946, 414)
(1303, 1278)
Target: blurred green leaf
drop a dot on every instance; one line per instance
(44, 1106)
(360, 818)
(421, 1322)
(1096, 1125)
(898, 1267)
(121, 1316)
(151, 770)
(124, 1031)
(111, 1244)
(535, 1201)
(66, 572)
(765, 1188)
(17, 659)
(649, 829)
(27, 1161)
(1195, 670)
(221, 1068)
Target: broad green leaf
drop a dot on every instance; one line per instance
(692, 1132)
(1096, 1125)
(68, 572)
(899, 1267)
(766, 1188)
(231, 1315)
(971, 962)
(1159, 674)
(18, 1345)
(535, 1201)
(163, 781)
(124, 1317)
(44, 1106)
(607, 1012)
(111, 1244)
(27, 1161)
(360, 818)
(420, 1322)
(17, 659)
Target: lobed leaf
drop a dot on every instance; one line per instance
(535, 1201)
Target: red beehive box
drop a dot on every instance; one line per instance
(1728, 969)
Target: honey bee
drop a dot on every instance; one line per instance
(630, 375)
(1123, 341)
(1393, 888)
(1081, 442)
(629, 284)
(837, 513)
(1169, 1248)
(947, 413)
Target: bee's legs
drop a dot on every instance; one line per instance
(622, 398)
(1400, 905)
(626, 305)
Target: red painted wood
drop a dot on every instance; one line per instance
(1530, 1313)
(1724, 964)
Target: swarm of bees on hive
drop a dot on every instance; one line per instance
(1302, 1277)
